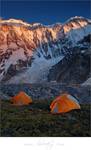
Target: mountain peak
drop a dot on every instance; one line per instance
(79, 20)
(75, 18)
(12, 21)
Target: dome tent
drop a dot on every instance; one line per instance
(64, 103)
(21, 99)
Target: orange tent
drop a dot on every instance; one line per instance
(21, 99)
(64, 103)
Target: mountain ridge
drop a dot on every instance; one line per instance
(32, 49)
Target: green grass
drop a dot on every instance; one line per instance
(36, 120)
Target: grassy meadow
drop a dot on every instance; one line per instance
(35, 120)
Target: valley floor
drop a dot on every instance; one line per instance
(36, 121)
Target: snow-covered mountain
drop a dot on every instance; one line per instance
(28, 51)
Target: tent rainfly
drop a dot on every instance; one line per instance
(63, 104)
(21, 99)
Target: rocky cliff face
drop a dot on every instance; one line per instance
(75, 70)
(28, 51)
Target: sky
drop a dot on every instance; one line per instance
(45, 12)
